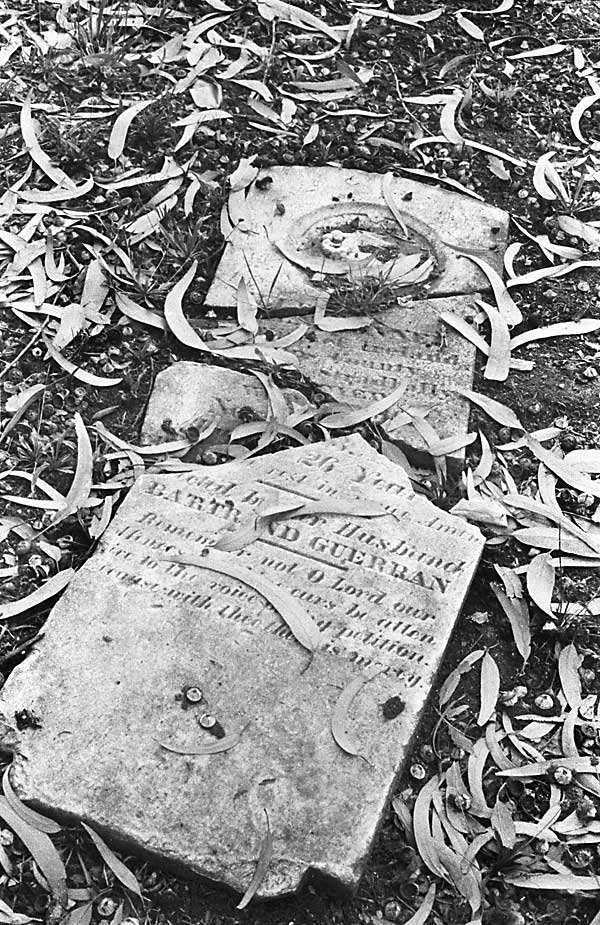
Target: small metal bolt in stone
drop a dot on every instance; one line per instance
(193, 695)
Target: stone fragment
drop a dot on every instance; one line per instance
(324, 220)
(136, 630)
(196, 395)
(409, 344)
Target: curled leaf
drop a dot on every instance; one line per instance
(301, 625)
(452, 681)
(448, 117)
(566, 473)
(81, 485)
(494, 409)
(350, 418)
(210, 748)
(118, 135)
(518, 616)
(41, 848)
(28, 815)
(76, 371)
(490, 689)
(49, 589)
(506, 306)
(246, 308)
(569, 663)
(120, 870)
(340, 715)
(176, 320)
(40, 157)
(582, 106)
(264, 859)
(498, 363)
(424, 910)
(541, 576)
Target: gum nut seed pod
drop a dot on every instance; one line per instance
(106, 907)
(417, 771)
(562, 776)
(207, 721)
(544, 703)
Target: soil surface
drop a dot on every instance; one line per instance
(82, 293)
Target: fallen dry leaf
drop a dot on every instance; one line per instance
(339, 716)
(41, 849)
(301, 625)
(344, 419)
(118, 135)
(541, 576)
(264, 859)
(494, 409)
(120, 870)
(209, 748)
(49, 589)
(489, 689)
(452, 681)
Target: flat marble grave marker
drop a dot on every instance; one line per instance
(133, 630)
(315, 219)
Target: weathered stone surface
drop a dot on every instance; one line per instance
(196, 394)
(134, 629)
(406, 344)
(301, 207)
(409, 343)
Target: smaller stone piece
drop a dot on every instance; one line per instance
(195, 395)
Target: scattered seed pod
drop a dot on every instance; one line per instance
(461, 801)
(545, 704)
(207, 721)
(587, 675)
(586, 808)
(409, 890)
(193, 695)
(580, 860)
(418, 771)
(106, 907)
(23, 548)
(541, 846)
(562, 776)
(393, 911)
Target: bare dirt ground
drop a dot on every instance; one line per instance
(104, 208)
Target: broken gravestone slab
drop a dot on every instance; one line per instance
(408, 344)
(196, 395)
(135, 631)
(299, 224)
